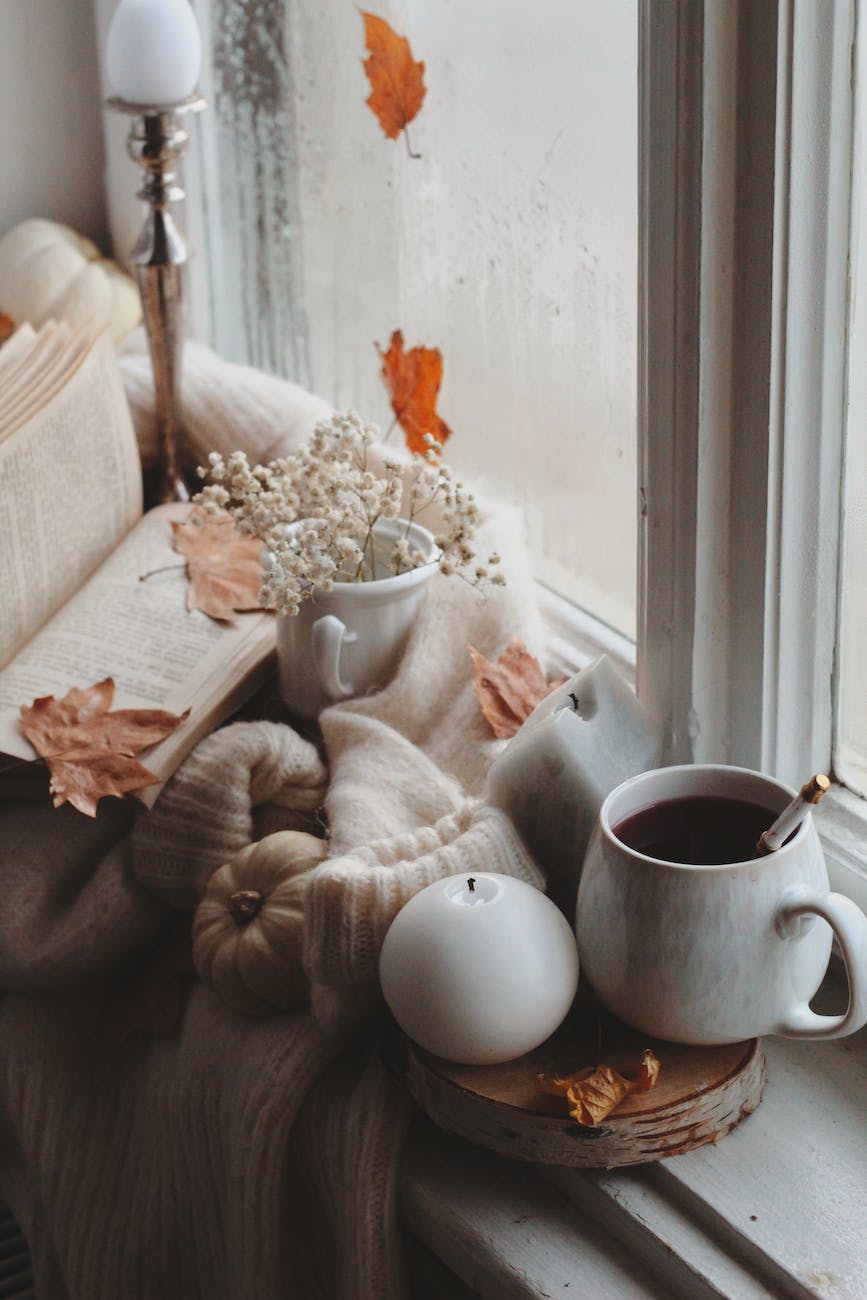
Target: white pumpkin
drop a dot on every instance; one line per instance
(248, 928)
(49, 271)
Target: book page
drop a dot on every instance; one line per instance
(41, 382)
(28, 364)
(160, 654)
(15, 349)
(70, 488)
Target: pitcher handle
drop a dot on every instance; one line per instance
(850, 926)
(329, 635)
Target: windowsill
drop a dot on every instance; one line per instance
(775, 1209)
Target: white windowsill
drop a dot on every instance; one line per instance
(774, 1210)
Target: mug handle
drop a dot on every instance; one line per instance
(850, 926)
(329, 634)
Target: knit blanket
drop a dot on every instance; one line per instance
(152, 1142)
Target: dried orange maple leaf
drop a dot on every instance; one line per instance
(413, 381)
(224, 568)
(90, 750)
(509, 689)
(594, 1094)
(397, 88)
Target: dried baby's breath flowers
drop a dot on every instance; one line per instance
(317, 510)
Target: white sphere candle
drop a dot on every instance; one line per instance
(154, 53)
(479, 969)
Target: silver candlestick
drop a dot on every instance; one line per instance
(157, 142)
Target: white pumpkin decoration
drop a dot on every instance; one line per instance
(49, 271)
(247, 930)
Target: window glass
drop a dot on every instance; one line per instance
(508, 244)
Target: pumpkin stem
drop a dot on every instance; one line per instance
(244, 904)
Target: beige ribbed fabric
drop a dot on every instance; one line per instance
(207, 817)
(224, 406)
(240, 1158)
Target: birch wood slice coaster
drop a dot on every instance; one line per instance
(702, 1093)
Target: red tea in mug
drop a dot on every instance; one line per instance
(705, 830)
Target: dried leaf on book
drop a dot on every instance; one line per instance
(7, 327)
(396, 78)
(224, 568)
(592, 1094)
(509, 689)
(413, 381)
(89, 749)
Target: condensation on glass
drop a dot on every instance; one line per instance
(510, 244)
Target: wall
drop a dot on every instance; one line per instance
(51, 146)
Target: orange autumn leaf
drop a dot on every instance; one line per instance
(224, 568)
(413, 381)
(593, 1094)
(7, 327)
(90, 751)
(397, 88)
(509, 689)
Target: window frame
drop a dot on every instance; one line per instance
(746, 122)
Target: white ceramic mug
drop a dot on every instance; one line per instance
(349, 640)
(714, 954)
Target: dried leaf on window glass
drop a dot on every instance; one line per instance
(397, 88)
(90, 751)
(592, 1094)
(413, 381)
(509, 689)
(224, 568)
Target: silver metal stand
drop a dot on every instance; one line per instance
(157, 141)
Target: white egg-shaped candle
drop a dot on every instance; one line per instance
(479, 969)
(153, 54)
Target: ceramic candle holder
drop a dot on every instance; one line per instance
(577, 745)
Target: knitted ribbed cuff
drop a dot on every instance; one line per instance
(352, 900)
(205, 813)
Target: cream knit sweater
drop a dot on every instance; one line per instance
(236, 1158)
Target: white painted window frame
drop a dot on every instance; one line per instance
(746, 121)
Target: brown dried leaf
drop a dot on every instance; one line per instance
(396, 78)
(224, 568)
(7, 327)
(593, 1094)
(509, 690)
(555, 1085)
(413, 381)
(89, 750)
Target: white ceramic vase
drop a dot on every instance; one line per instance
(349, 640)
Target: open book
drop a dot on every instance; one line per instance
(73, 548)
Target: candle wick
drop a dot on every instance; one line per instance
(576, 703)
(471, 882)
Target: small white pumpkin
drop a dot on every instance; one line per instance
(247, 930)
(49, 271)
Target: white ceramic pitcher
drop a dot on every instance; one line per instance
(349, 640)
